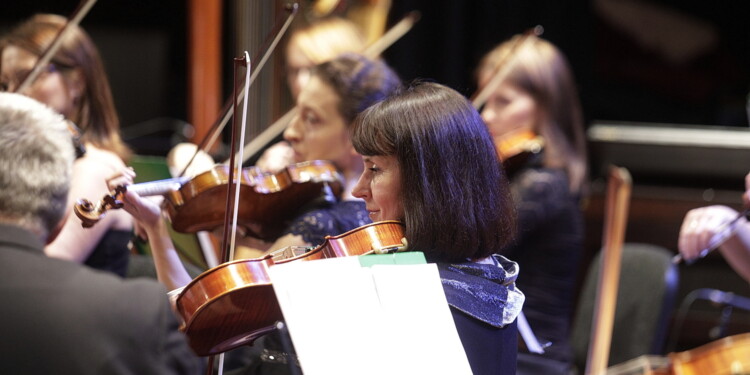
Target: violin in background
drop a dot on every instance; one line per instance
(196, 204)
(515, 149)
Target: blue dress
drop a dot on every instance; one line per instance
(338, 218)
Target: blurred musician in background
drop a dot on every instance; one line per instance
(316, 43)
(338, 90)
(430, 163)
(74, 84)
(706, 228)
(63, 318)
(309, 45)
(535, 118)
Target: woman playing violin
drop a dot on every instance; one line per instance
(538, 96)
(337, 91)
(75, 85)
(430, 162)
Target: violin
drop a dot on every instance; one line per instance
(729, 355)
(196, 204)
(234, 303)
(515, 149)
(267, 199)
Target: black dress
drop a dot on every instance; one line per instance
(112, 252)
(548, 251)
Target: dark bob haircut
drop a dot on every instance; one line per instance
(456, 199)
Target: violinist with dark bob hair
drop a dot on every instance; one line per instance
(431, 163)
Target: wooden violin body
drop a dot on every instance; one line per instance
(726, 356)
(515, 149)
(234, 303)
(730, 355)
(376, 238)
(266, 200)
(228, 306)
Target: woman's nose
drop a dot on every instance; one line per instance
(360, 188)
(292, 134)
(488, 115)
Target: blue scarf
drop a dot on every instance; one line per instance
(485, 291)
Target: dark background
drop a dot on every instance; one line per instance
(143, 44)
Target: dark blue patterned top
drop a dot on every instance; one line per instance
(338, 218)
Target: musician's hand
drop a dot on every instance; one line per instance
(145, 210)
(746, 195)
(276, 158)
(124, 177)
(699, 226)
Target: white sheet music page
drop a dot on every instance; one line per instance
(387, 319)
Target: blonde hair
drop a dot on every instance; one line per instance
(323, 40)
(541, 70)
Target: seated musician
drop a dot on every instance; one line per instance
(702, 225)
(537, 96)
(61, 317)
(338, 90)
(75, 84)
(431, 163)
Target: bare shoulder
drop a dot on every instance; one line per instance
(99, 162)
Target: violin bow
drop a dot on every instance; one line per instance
(504, 66)
(233, 185)
(373, 50)
(235, 168)
(269, 46)
(83, 8)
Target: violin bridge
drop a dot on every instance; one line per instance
(289, 252)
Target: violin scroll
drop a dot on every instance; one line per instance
(90, 214)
